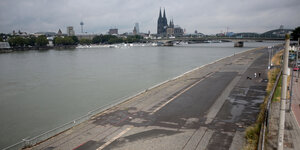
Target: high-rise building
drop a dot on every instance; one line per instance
(113, 31)
(134, 31)
(137, 28)
(70, 31)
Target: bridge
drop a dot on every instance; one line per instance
(238, 41)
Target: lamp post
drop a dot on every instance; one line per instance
(297, 51)
(283, 94)
(269, 50)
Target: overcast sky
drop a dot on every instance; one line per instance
(206, 16)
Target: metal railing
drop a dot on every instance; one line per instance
(265, 124)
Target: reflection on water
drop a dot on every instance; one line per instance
(40, 90)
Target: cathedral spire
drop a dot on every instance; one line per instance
(160, 13)
(164, 13)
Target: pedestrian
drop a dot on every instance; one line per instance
(259, 74)
(254, 74)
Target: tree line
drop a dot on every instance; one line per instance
(111, 39)
(40, 41)
(67, 40)
(296, 33)
(31, 41)
(18, 41)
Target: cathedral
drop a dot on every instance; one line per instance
(162, 24)
(163, 29)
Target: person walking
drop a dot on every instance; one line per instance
(254, 74)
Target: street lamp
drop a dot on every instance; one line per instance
(269, 50)
(297, 51)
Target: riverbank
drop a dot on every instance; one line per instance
(15, 49)
(153, 100)
(74, 71)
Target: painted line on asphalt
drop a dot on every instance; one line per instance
(114, 138)
(294, 107)
(203, 143)
(164, 104)
(216, 107)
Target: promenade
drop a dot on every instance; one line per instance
(292, 121)
(292, 129)
(296, 99)
(207, 108)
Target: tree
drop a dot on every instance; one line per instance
(30, 41)
(75, 39)
(41, 40)
(3, 37)
(58, 41)
(85, 41)
(11, 41)
(106, 38)
(296, 33)
(16, 41)
(63, 41)
(134, 38)
(97, 39)
(68, 41)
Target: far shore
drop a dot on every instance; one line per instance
(15, 49)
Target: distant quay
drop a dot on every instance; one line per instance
(14, 49)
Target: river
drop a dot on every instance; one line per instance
(40, 90)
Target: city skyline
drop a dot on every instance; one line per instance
(208, 17)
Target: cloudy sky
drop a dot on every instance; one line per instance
(206, 16)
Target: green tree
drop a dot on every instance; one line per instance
(11, 41)
(296, 33)
(58, 41)
(16, 41)
(75, 39)
(134, 39)
(30, 41)
(68, 41)
(3, 36)
(41, 40)
(85, 41)
(97, 39)
(106, 38)
(112, 41)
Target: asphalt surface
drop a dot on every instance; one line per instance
(208, 108)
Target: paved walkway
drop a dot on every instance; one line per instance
(296, 98)
(292, 122)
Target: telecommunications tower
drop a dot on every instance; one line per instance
(81, 24)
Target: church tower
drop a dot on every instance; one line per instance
(159, 23)
(162, 23)
(165, 22)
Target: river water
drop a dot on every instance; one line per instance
(40, 90)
